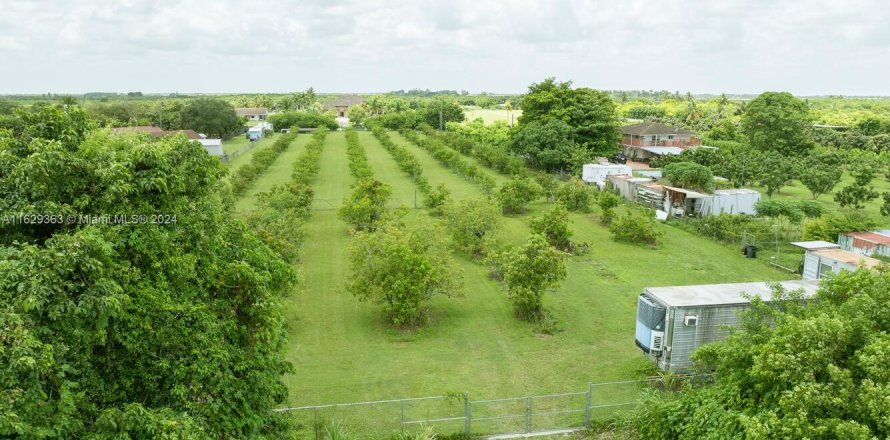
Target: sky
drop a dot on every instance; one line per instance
(807, 47)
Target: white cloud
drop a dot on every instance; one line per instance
(807, 46)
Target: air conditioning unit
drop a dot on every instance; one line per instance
(656, 342)
(690, 320)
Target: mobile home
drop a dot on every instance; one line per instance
(672, 322)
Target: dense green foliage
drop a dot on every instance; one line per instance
(635, 226)
(169, 326)
(449, 157)
(401, 267)
(607, 201)
(590, 115)
(554, 226)
(438, 200)
(794, 210)
(690, 175)
(863, 167)
(261, 160)
(514, 195)
(366, 204)
(358, 162)
(795, 370)
(472, 224)
(302, 120)
(829, 225)
(489, 144)
(575, 195)
(214, 117)
(406, 161)
(529, 271)
(548, 145)
(778, 122)
(821, 173)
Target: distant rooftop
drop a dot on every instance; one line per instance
(650, 128)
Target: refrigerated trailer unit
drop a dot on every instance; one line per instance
(674, 321)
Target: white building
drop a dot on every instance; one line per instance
(823, 258)
(213, 146)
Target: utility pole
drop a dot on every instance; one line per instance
(440, 116)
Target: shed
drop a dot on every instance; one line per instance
(821, 262)
(627, 185)
(651, 194)
(593, 173)
(865, 243)
(730, 201)
(672, 322)
(213, 146)
(681, 202)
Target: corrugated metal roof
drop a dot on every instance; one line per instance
(848, 257)
(689, 193)
(723, 294)
(873, 237)
(663, 150)
(815, 245)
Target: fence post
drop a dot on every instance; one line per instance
(468, 415)
(528, 414)
(315, 422)
(402, 417)
(587, 405)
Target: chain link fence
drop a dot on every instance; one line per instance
(458, 414)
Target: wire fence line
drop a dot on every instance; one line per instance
(459, 414)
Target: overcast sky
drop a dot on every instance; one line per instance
(808, 47)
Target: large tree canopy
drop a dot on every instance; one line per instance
(777, 121)
(213, 117)
(590, 114)
(164, 322)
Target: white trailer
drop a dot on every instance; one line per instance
(597, 173)
(672, 322)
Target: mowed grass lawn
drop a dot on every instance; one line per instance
(343, 351)
(236, 143)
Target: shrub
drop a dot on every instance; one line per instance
(515, 195)
(259, 162)
(528, 272)
(307, 164)
(437, 200)
(358, 161)
(575, 195)
(554, 225)
(303, 120)
(828, 226)
(472, 223)
(402, 268)
(690, 175)
(795, 210)
(607, 201)
(366, 204)
(635, 226)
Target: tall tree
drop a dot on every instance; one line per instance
(162, 322)
(821, 173)
(591, 115)
(777, 121)
(213, 117)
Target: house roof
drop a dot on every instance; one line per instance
(724, 294)
(815, 245)
(150, 129)
(662, 150)
(649, 128)
(872, 237)
(848, 257)
(689, 193)
(344, 101)
(191, 134)
(250, 111)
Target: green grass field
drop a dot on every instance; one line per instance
(490, 116)
(343, 351)
(796, 190)
(236, 143)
